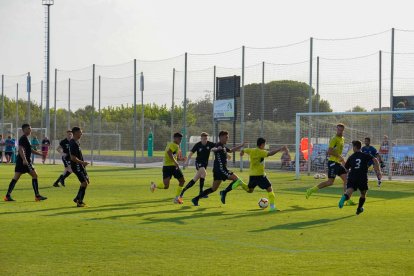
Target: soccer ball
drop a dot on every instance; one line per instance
(317, 176)
(263, 203)
(323, 176)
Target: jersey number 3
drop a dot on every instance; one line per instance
(358, 163)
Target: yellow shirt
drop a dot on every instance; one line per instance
(174, 148)
(257, 163)
(337, 143)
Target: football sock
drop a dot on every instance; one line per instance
(188, 186)
(347, 197)
(204, 193)
(236, 183)
(59, 178)
(83, 189)
(272, 197)
(11, 186)
(178, 191)
(160, 186)
(202, 184)
(361, 202)
(78, 196)
(65, 175)
(244, 185)
(35, 186)
(314, 189)
(231, 186)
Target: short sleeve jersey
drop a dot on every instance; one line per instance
(25, 143)
(337, 144)
(174, 149)
(358, 163)
(75, 150)
(65, 147)
(371, 151)
(257, 161)
(220, 156)
(203, 151)
(45, 144)
(9, 145)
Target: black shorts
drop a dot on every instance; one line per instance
(361, 184)
(21, 168)
(80, 172)
(335, 169)
(260, 181)
(221, 174)
(170, 171)
(201, 165)
(66, 163)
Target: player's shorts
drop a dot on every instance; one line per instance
(170, 171)
(21, 168)
(222, 174)
(335, 169)
(66, 163)
(360, 184)
(80, 172)
(260, 180)
(199, 165)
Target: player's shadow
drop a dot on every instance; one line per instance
(301, 225)
(181, 220)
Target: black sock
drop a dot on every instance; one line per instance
(11, 186)
(346, 197)
(83, 193)
(188, 186)
(78, 196)
(361, 202)
(204, 193)
(35, 186)
(230, 187)
(202, 184)
(65, 175)
(58, 180)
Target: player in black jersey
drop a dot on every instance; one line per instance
(358, 164)
(78, 165)
(220, 171)
(63, 149)
(24, 164)
(203, 149)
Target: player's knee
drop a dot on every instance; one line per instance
(214, 188)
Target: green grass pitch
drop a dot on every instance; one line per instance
(127, 230)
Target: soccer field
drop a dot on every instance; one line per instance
(128, 230)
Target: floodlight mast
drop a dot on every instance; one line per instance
(47, 3)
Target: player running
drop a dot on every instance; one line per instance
(374, 153)
(358, 164)
(78, 166)
(220, 171)
(335, 163)
(203, 149)
(172, 168)
(24, 165)
(63, 149)
(257, 172)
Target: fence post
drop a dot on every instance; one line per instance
(242, 108)
(380, 91)
(54, 120)
(297, 142)
(172, 104)
(310, 102)
(2, 105)
(135, 114)
(17, 110)
(99, 116)
(41, 104)
(184, 149)
(93, 112)
(390, 141)
(262, 101)
(69, 104)
(28, 88)
(214, 98)
(142, 115)
(317, 97)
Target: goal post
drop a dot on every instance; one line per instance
(314, 130)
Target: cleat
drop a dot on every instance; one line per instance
(40, 198)
(308, 193)
(195, 201)
(8, 198)
(206, 196)
(341, 202)
(153, 187)
(62, 182)
(81, 204)
(75, 200)
(178, 200)
(360, 210)
(56, 184)
(350, 203)
(223, 195)
(273, 209)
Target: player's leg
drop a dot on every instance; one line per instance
(203, 174)
(235, 182)
(191, 183)
(11, 186)
(214, 187)
(35, 184)
(167, 173)
(321, 185)
(181, 181)
(272, 198)
(343, 175)
(84, 181)
(361, 202)
(347, 195)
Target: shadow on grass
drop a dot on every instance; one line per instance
(302, 225)
(182, 219)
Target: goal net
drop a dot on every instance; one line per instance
(391, 133)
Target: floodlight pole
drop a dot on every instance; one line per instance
(47, 3)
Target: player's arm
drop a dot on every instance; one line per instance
(74, 159)
(36, 152)
(59, 149)
(377, 168)
(171, 156)
(273, 152)
(237, 148)
(22, 155)
(331, 152)
(188, 159)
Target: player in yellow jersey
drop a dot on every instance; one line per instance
(172, 168)
(257, 175)
(335, 162)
